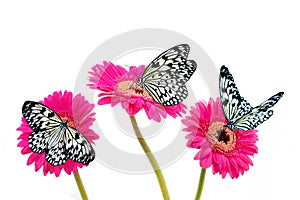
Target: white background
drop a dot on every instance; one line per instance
(43, 45)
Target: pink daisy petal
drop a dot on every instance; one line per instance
(228, 152)
(116, 86)
(79, 114)
(104, 100)
(206, 161)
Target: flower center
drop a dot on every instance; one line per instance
(129, 88)
(65, 116)
(223, 139)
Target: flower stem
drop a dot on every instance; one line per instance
(151, 158)
(200, 184)
(80, 186)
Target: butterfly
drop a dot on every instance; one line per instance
(54, 137)
(165, 77)
(238, 112)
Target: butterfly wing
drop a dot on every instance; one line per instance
(43, 121)
(166, 92)
(234, 106)
(187, 70)
(52, 136)
(165, 77)
(259, 114)
(71, 145)
(78, 147)
(57, 154)
(170, 61)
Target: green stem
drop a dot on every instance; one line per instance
(80, 186)
(201, 184)
(151, 158)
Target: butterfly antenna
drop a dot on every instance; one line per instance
(132, 85)
(135, 73)
(135, 81)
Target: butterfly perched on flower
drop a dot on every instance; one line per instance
(165, 77)
(238, 112)
(54, 137)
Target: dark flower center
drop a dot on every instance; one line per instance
(221, 137)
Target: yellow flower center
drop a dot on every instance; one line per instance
(223, 139)
(129, 88)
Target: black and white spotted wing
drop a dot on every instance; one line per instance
(238, 112)
(54, 137)
(165, 77)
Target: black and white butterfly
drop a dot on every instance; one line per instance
(54, 137)
(165, 77)
(238, 112)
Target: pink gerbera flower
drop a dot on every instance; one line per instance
(225, 150)
(117, 86)
(78, 112)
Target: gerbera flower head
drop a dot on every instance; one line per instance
(117, 85)
(228, 152)
(78, 112)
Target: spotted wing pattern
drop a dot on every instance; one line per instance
(258, 114)
(238, 112)
(165, 77)
(54, 137)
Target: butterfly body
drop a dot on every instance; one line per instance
(51, 135)
(238, 112)
(230, 125)
(165, 77)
